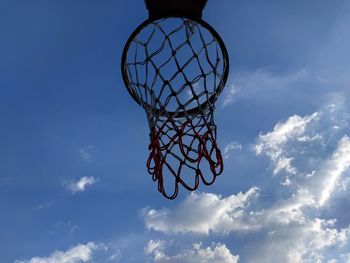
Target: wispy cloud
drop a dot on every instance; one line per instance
(86, 153)
(263, 82)
(302, 242)
(324, 182)
(44, 205)
(77, 254)
(81, 184)
(229, 96)
(231, 147)
(216, 253)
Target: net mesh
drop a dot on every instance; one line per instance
(175, 69)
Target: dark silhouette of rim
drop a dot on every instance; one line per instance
(218, 89)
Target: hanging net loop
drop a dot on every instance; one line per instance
(175, 68)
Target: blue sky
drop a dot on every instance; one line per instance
(73, 182)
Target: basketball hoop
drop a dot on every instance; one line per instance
(175, 66)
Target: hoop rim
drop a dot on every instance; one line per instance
(219, 88)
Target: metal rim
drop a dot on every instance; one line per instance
(220, 87)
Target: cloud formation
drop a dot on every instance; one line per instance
(323, 183)
(231, 147)
(81, 184)
(263, 82)
(77, 254)
(85, 153)
(230, 95)
(313, 154)
(209, 212)
(216, 253)
(272, 143)
(298, 242)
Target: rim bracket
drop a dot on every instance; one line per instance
(182, 8)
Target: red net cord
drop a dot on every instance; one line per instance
(205, 150)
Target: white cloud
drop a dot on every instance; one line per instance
(230, 95)
(313, 189)
(209, 212)
(79, 253)
(85, 153)
(284, 163)
(312, 152)
(295, 235)
(281, 146)
(290, 228)
(44, 205)
(231, 147)
(307, 141)
(282, 233)
(81, 184)
(264, 83)
(153, 246)
(273, 143)
(298, 242)
(344, 183)
(324, 182)
(216, 253)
